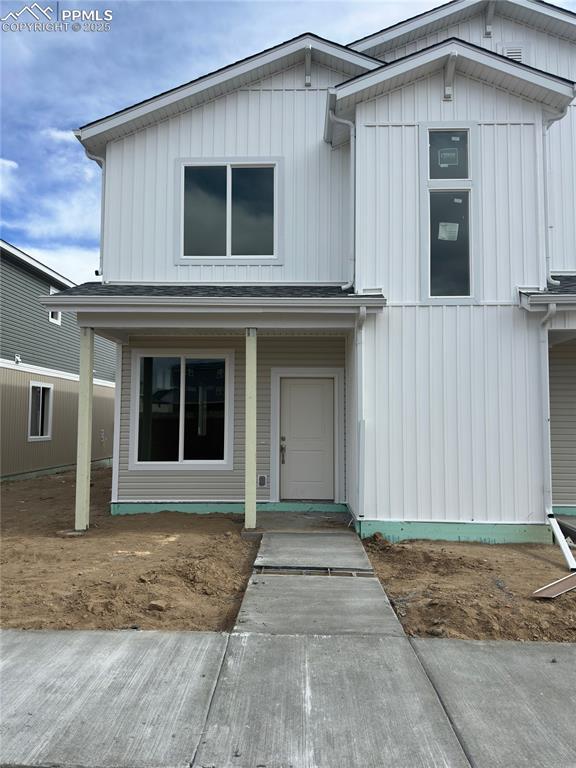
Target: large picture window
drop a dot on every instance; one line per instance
(229, 211)
(183, 408)
(448, 181)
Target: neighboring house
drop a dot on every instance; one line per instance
(39, 355)
(329, 271)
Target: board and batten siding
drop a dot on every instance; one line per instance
(563, 422)
(551, 54)
(25, 329)
(18, 455)
(277, 117)
(506, 209)
(454, 427)
(326, 351)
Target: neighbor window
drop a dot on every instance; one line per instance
(40, 412)
(182, 409)
(229, 211)
(448, 270)
(54, 316)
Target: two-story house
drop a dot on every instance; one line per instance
(337, 275)
(39, 363)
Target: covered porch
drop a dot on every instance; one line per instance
(244, 401)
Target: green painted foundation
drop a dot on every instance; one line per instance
(216, 507)
(564, 510)
(487, 533)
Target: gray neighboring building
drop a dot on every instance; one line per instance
(39, 362)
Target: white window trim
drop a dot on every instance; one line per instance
(231, 162)
(337, 375)
(53, 315)
(470, 185)
(227, 463)
(40, 438)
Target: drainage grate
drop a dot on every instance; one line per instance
(296, 571)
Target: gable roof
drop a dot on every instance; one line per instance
(95, 135)
(547, 17)
(552, 91)
(15, 254)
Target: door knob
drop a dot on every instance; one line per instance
(282, 453)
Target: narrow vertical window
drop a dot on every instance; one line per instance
(205, 397)
(449, 244)
(449, 188)
(205, 210)
(40, 412)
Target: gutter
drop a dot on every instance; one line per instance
(101, 161)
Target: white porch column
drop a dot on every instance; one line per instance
(250, 431)
(84, 446)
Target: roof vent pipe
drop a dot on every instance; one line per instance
(352, 129)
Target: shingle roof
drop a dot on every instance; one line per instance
(567, 285)
(109, 290)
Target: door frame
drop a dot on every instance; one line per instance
(337, 376)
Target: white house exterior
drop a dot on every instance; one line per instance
(347, 275)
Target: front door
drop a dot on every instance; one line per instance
(307, 438)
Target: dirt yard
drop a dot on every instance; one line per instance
(160, 571)
(475, 591)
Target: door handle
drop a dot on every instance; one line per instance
(282, 453)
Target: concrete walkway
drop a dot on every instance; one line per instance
(316, 674)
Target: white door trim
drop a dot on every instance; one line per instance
(337, 375)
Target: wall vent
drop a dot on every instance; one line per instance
(262, 481)
(513, 51)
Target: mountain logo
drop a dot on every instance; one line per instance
(35, 10)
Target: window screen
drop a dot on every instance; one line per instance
(448, 154)
(449, 243)
(204, 409)
(252, 211)
(205, 210)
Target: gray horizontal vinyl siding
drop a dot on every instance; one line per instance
(26, 331)
(222, 485)
(563, 422)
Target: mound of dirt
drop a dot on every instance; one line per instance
(160, 571)
(474, 591)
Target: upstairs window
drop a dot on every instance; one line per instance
(449, 189)
(54, 316)
(229, 211)
(40, 411)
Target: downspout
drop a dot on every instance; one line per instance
(547, 246)
(101, 161)
(352, 129)
(546, 441)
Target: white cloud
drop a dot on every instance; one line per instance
(74, 262)
(8, 178)
(75, 214)
(58, 135)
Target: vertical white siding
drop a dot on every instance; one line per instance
(277, 117)
(551, 54)
(507, 217)
(455, 433)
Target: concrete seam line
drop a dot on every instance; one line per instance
(456, 730)
(192, 761)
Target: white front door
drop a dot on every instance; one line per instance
(307, 438)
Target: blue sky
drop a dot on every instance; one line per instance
(54, 82)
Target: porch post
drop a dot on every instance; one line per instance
(84, 445)
(250, 431)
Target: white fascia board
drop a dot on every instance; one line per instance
(444, 13)
(412, 25)
(555, 85)
(218, 78)
(37, 265)
(180, 304)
